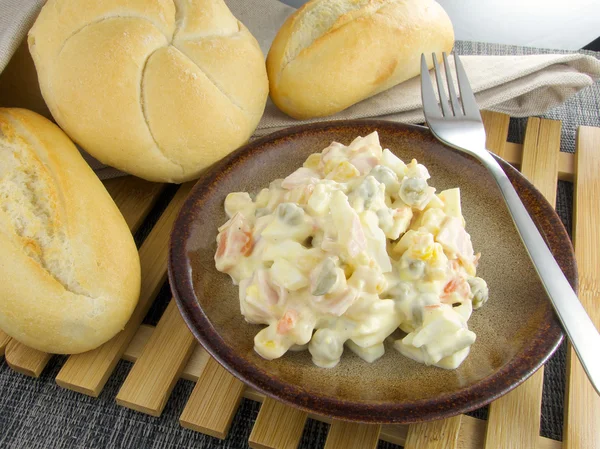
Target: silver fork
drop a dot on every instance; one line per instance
(462, 129)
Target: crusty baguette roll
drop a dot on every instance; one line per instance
(69, 268)
(157, 88)
(331, 54)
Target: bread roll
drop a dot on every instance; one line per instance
(69, 269)
(331, 54)
(157, 88)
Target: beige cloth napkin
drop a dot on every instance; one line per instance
(516, 85)
(520, 86)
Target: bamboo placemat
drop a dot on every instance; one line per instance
(164, 353)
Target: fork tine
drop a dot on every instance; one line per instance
(466, 93)
(451, 91)
(430, 103)
(446, 112)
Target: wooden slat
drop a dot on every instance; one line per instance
(348, 435)
(138, 342)
(496, 127)
(514, 419)
(566, 161)
(392, 433)
(4, 339)
(155, 373)
(192, 370)
(196, 364)
(541, 149)
(472, 434)
(88, 372)
(25, 360)
(278, 426)
(134, 197)
(442, 434)
(496, 130)
(547, 443)
(582, 405)
(566, 167)
(213, 402)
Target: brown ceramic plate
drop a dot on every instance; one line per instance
(517, 330)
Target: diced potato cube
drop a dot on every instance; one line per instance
(239, 202)
(277, 230)
(432, 220)
(371, 141)
(287, 275)
(288, 249)
(369, 354)
(310, 258)
(405, 242)
(453, 361)
(343, 172)
(312, 161)
(268, 344)
(318, 203)
(392, 161)
(435, 203)
(451, 199)
(262, 199)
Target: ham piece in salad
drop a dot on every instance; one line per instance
(349, 248)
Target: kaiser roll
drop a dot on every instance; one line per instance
(157, 88)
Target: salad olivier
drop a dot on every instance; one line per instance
(347, 249)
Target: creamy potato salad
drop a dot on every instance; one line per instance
(346, 250)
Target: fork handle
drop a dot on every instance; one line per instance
(577, 324)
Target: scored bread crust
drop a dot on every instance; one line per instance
(331, 54)
(157, 88)
(69, 268)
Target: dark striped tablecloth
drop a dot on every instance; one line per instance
(36, 413)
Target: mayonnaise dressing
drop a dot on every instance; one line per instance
(348, 248)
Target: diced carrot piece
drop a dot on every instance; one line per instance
(234, 240)
(451, 286)
(457, 285)
(249, 245)
(287, 322)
